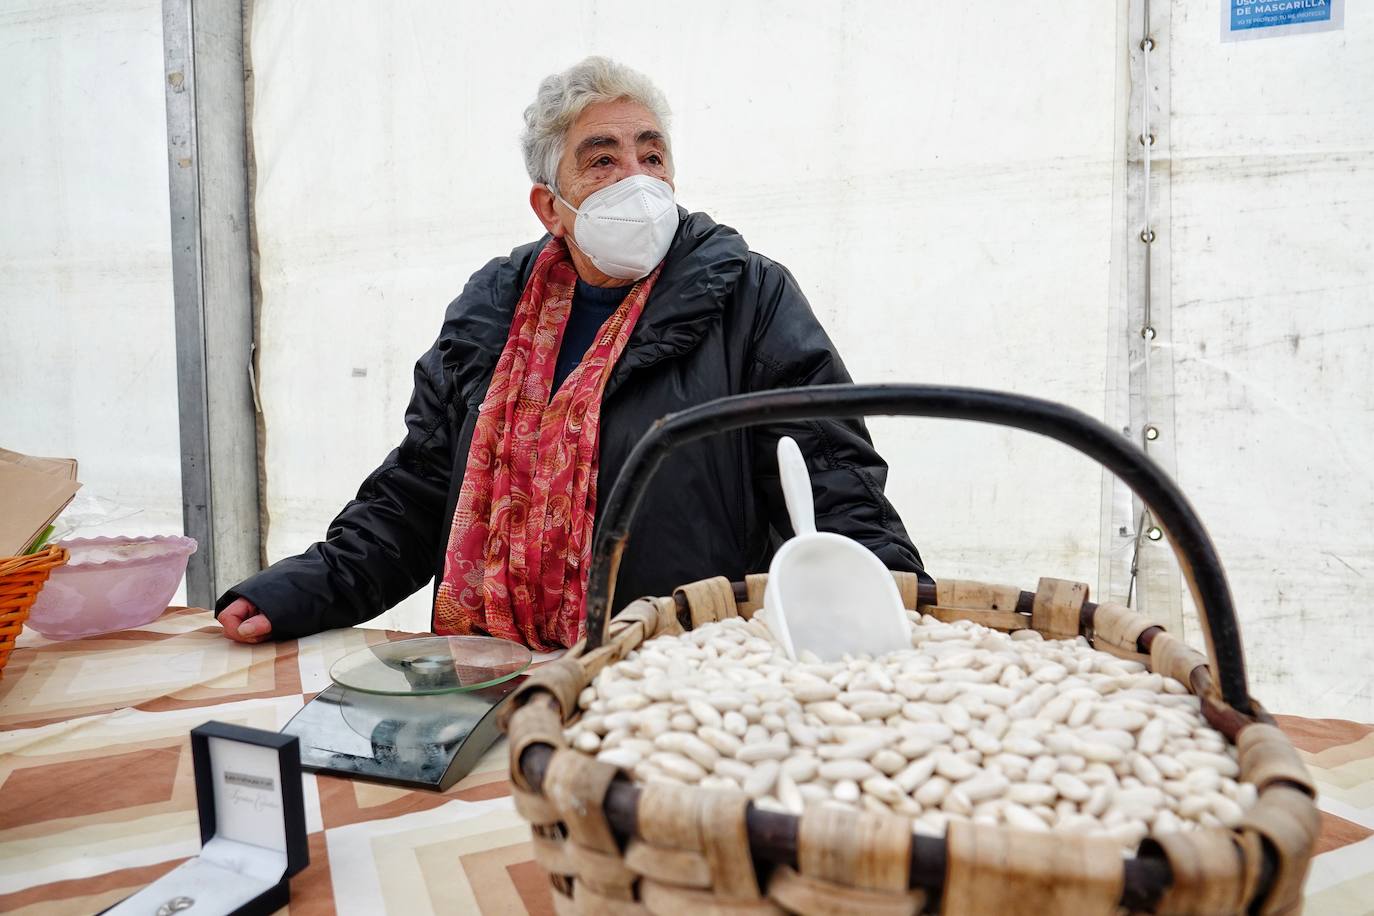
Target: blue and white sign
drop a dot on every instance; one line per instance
(1242, 19)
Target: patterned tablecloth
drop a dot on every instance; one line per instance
(97, 797)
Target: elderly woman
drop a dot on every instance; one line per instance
(550, 365)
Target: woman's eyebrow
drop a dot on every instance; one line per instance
(596, 142)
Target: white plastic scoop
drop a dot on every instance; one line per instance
(827, 594)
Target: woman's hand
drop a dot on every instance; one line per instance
(243, 622)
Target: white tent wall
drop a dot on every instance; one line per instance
(941, 186)
(87, 346)
(1272, 198)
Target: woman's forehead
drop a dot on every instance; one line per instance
(622, 120)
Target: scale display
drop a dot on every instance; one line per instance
(418, 712)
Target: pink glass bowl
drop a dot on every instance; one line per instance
(110, 583)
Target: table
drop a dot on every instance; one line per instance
(97, 797)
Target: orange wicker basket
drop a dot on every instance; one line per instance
(21, 578)
(614, 846)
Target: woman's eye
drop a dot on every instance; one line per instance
(604, 160)
(655, 159)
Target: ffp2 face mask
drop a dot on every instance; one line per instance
(625, 228)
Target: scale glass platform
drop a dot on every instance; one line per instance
(418, 712)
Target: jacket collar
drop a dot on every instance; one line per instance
(699, 272)
(701, 268)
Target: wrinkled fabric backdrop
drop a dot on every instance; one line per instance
(950, 183)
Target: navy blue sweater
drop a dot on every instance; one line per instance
(591, 306)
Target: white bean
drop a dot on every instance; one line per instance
(932, 792)
(727, 702)
(834, 713)
(789, 794)
(860, 749)
(888, 761)
(1022, 818)
(1125, 719)
(1104, 753)
(1042, 769)
(1031, 793)
(619, 757)
(763, 750)
(884, 789)
(689, 746)
(1151, 739)
(954, 767)
(1098, 802)
(801, 769)
(733, 769)
(705, 713)
(985, 785)
(803, 734)
(759, 782)
(956, 802)
(1222, 764)
(678, 766)
(916, 773)
(1226, 810)
(718, 738)
(935, 732)
(1026, 747)
(956, 717)
(1145, 770)
(1168, 767)
(1070, 786)
(857, 770)
(846, 790)
(628, 702)
(984, 743)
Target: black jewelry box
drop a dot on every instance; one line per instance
(252, 828)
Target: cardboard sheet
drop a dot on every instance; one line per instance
(33, 492)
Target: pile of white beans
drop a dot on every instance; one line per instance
(970, 723)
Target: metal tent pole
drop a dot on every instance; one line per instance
(203, 56)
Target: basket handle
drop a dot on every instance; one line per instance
(1197, 556)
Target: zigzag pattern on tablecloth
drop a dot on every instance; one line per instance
(1340, 756)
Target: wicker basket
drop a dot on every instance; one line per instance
(611, 846)
(21, 578)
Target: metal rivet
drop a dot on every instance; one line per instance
(1152, 433)
(1147, 140)
(1147, 43)
(1148, 332)
(1147, 235)
(1154, 533)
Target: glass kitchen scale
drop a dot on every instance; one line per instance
(418, 712)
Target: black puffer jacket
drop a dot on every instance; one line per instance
(721, 320)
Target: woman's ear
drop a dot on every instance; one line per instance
(545, 206)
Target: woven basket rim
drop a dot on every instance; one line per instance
(50, 557)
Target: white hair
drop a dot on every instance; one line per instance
(564, 96)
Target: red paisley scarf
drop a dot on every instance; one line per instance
(519, 551)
